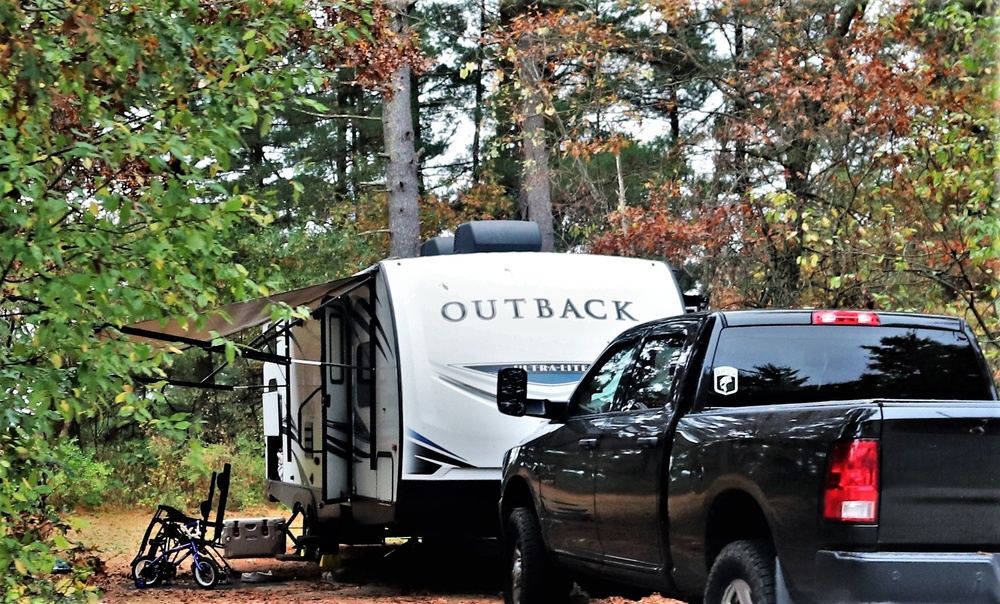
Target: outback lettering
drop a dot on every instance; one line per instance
(544, 308)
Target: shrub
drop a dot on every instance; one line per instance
(160, 471)
(79, 481)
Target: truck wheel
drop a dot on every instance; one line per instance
(530, 578)
(742, 574)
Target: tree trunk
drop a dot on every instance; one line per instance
(341, 150)
(401, 169)
(480, 95)
(536, 195)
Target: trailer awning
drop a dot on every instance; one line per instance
(234, 318)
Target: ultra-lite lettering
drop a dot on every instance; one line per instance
(554, 367)
(538, 308)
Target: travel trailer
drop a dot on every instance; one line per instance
(384, 420)
(379, 411)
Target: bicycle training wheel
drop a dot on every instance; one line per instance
(146, 572)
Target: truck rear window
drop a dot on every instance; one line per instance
(810, 363)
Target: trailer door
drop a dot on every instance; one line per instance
(337, 407)
(357, 427)
(373, 468)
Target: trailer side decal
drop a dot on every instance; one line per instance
(362, 323)
(427, 460)
(554, 374)
(338, 447)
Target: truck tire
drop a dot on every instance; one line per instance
(530, 578)
(743, 573)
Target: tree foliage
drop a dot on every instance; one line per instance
(605, 75)
(854, 162)
(116, 122)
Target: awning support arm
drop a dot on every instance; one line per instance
(245, 353)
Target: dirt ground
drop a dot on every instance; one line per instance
(397, 574)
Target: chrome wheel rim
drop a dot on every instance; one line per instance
(516, 574)
(737, 592)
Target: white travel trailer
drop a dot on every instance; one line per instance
(379, 411)
(382, 419)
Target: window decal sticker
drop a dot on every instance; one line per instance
(726, 380)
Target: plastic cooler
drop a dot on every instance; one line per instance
(253, 537)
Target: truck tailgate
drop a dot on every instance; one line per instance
(940, 474)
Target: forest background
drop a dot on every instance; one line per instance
(160, 158)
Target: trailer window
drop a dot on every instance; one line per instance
(364, 383)
(336, 349)
(804, 363)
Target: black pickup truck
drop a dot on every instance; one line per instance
(764, 456)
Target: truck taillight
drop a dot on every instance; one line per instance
(844, 317)
(851, 493)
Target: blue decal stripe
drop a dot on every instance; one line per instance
(420, 438)
(550, 378)
(432, 456)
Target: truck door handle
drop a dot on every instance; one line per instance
(648, 442)
(588, 443)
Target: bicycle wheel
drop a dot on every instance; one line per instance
(205, 571)
(146, 572)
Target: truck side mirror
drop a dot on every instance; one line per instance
(512, 391)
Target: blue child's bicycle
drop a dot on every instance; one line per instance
(173, 538)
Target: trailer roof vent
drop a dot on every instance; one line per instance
(498, 236)
(438, 246)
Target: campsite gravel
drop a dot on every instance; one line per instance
(398, 574)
